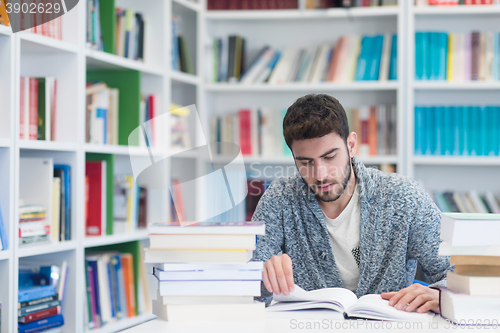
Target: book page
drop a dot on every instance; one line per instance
(375, 307)
(341, 296)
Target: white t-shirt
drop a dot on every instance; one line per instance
(344, 239)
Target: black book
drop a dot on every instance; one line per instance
(181, 54)
(254, 60)
(231, 57)
(140, 51)
(448, 196)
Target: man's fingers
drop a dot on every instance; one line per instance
(272, 278)
(418, 301)
(280, 276)
(288, 270)
(388, 295)
(266, 281)
(430, 305)
(397, 296)
(406, 299)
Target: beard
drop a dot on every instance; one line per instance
(330, 195)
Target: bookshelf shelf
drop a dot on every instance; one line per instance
(4, 143)
(40, 44)
(98, 60)
(457, 10)
(442, 85)
(47, 145)
(302, 87)
(34, 250)
(457, 160)
(119, 150)
(297, 14)
(124, 324)
(89, 242)
(180, 77)
(4, 255)
(194, 6)
(5, 30)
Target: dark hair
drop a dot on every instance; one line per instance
(313, 116)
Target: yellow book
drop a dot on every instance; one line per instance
(130, 218)
(4, 18)
(451, 57)
(56, 209)
(356, 49)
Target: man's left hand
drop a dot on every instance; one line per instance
(416, 296)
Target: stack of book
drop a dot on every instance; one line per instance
(471, 202)
(457, 57)
(41, 295)
(37, 118)
(204, 270)
(130, 32)
(251, 4)
(101, 114)
(455, 2)
(318, 4)
(352, 58)
(457, 130)
(34, 226)
(473, 289)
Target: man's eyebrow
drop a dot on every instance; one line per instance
(309, 158)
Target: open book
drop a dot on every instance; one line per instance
(344, 301)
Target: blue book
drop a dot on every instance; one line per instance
(441, 202)
(175, 46)
(429, 123)
(66, 183)
(496, 57)
(427, 54)
(376, 57)
(103, 113)
(455, 128)
(393, 64)
(474, 130)
(114, 263)
(371, 47)
(93, 265)
(362, 64)
(496, 122)
(35, 292)
(443, 55)
(41, 325)
(419, 55)
(111, 296)
(447, 147)
(465, 124)
(439, 131)
(419, 130)
(4, 238)
(433, 56)
(483, 131)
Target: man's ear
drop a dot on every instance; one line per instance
(352, 143)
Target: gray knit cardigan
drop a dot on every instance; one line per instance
(400, 225)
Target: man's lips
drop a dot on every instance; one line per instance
(325, 187)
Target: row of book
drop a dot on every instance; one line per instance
(41, 296)
(376, 129)
(204, 272)
(181, 57)
(320, 4)
(457, 130)
(31, 20)
(38, 101)
(457, 57)
(472, 290)
(455, 2)
(129, 31)
(44, 219)
(102, 107)
(4, 237)
(112, 292)
(251, 4)
(352, 58)
(470, 202)
(128, 206)
(149, 109)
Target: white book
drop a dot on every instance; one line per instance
(49, 105)
(211, 256)
(209, 54)
(364, 115)
(228, 242)
(320, 64)
(460, 307)
(208, 275)
(489, 57)
(315, 51)
(476, 200)
(482, 56)
(268, 138)
(174, 267)
(386, 56)
(445, 249)
(458, 229)
(352, 59)
(474, 285)
(459, 61)
(205, 299)
(460, 204)
(224, 58)
(292, 72)
(56, 209)
(209, 288)
(251, 75)
(492, 202)
(214, 228)
(383, 135)
(209, 312)
(345, 301)
(279, 71)
(104, 292)
(113, 116)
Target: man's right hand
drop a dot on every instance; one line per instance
(278, 275)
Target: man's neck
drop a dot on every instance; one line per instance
(334, 208)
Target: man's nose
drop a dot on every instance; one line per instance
(321, 172)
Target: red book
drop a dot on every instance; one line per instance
(373, 131)
(33, 121)
(244, 117)
(152, 140)
(96, 209)
(475, 56)
(40, 315)
(21, 111)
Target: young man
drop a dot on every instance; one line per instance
(339, 224)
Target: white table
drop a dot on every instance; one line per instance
(301, 321)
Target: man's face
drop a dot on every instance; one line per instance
(324, 164)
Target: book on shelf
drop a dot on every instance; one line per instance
(457, 130)
(4, 237)
(457, 57)
(130, 33)
(251, 4)
(34, 227)
(61, 212)
(351, 58)
(148, 111)
(179, 128)
(467, 202)
(111, 287)
(345, 302)
(37, 116)
(322, 4)
(181, 54)
(32, 20)
(41, 325)
(93, 26)
(129, 208)
(96, 179)
(455, 2)
(101, 114)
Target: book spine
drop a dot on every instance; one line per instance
(35, 293)
(39, 307)
(41, 325)
(40, 315)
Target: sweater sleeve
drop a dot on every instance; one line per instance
(269, 210)
(424, 240)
